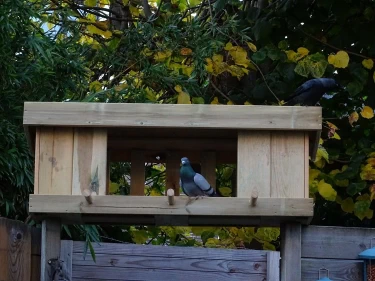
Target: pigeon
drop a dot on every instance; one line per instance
(310, 92)
(194, 184)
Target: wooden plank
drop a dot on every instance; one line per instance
(208, 167)
(66, 256)
(204, 264)
(150, 251)
(50, 246)
(339, 270)
(158, 205)
(15, 251)
(173, 172)
(90, 160)
(173, 115)
(36, 161)
(36, 235)
(287, 165)
(106, 273)
(273, 266)
(324, 241)
(137, 173)
(307, 166)
(290, 252)
(62, 161)
(253, 163)
(45, 160)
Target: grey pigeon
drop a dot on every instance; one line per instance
(310, 92)
(194, 184)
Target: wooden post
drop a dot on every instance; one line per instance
(137, 173)
(51, 229)
(66, 256)
(170, 194)
(273, 266)
(88, 196)
(208, 167)
(173, 172)
(254, 197)
(291, 252)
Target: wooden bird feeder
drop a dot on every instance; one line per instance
(74, 143)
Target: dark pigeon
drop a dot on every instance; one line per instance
(194, 184)
(310, 92)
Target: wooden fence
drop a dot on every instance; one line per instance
(19, 251)
(333, 248)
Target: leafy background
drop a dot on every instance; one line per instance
(192, 51)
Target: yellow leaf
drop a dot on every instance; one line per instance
(125, 2)
(373, 76)
(313, 174)
(211, 243)
(183, 98)
(94, 30)
(353, 117)
(252, 47)
(340, 60)
(50, 25)
(326, 191)
(178, 88)
(90, 3)
(95, 86)
(146, 52)
(139, 236)
(248, 103)
(336, 136)
(347, 205)
(215, 101)
(236, 71)
(155, 192)
(113, 187)
(186, 51)
(331, 125)
(303, 51)
(321, 154)
(134, 10)
(321, 141)
(239, 56)
(216, 65)
(162, 56)
(230, 103)
(120, 87)
(368, 63)
(150, 95)
(367, 112)
(225, 191)
(228, 46)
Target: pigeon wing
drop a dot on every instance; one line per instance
(300, 90)
(202, 183)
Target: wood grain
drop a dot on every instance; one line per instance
(36, 235)
(36, 161)
(253, 163)
(273, 266)
(290, 252)
(172, 115)
(339, 270)
(287, 165)
(66, 256)
(62, 161)
(204, 264)
(307, 166)
(45, 160)
(158, 205)
(324, 241)
(89, 158)
(208, 167)
(137, 173)
(173, 172)
(50, 246)
(15, 251)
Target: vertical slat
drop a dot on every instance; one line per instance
(291, 252)
(62, 162)
(36, 235)
(15, 251)
(137, 173)
(108, 175)
(307, 149)
(36, 161)
(45, 159)
(253, 163)
(273, 266)
(173, 172)
(287, 165)
(51, 244)
(90, 160)
(208, 167)
(66, 255)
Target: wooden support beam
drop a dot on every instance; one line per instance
(66, 257)
(170, 194)
(50, 251)
(291, 252)
(273, 266)
(137, 173)
(107, 209)
(208, 167)
(173, 172)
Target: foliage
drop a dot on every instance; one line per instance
(179, 51)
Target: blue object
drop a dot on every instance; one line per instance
(368, 254)
(324, 279)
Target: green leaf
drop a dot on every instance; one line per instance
(303, 68)
(355, 188)
(198, 100)
(354, 87)
(220, 4)
(66, 228)
(283, 45)
(259, 56)
(92, 252)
